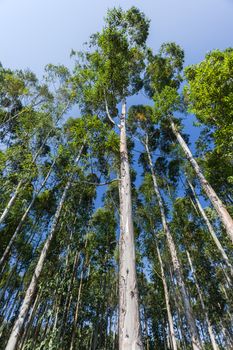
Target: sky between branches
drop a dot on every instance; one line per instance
(34, 33)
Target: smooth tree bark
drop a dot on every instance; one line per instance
(166, 294)
(214, 199)
(76, 314)
(209, 326)
(211, 229)
(196, 343)
(129, 322)
(19, 186)
(23, 218)
(29, 322)
(19, 323)
(11, 202)
(34, 159)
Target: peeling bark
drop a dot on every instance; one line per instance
(129, 323)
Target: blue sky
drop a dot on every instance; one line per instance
(36, 32)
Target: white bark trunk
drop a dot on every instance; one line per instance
(169, 314)
(75, 321)
(211, 229)
(29, 322)
(18, 326)
(209, 326)
(215, 200)
(11, 201)
(21, 182)
(129, 323)
(17, 230)
(196, 343)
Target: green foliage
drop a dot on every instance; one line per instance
(210, 97)
(41, 135)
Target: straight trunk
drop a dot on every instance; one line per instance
(211, 229)
(17, 230)
(21, 182)
(215, 200)
(69, 292)
(18, 326)
(209, 326)
(129, 322)
(196, 343)
(76, 311)
(166, 294)
(11, 201)
(29, 322)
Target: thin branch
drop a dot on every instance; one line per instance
(107, 110)
(99, 184)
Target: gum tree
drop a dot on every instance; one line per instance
(108, 74)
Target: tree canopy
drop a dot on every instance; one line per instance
(116, 231)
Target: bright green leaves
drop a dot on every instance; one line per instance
(164, 69)
(112, 69)
(210, 95)
(112, 143)
(166, 102)
(132, 23)
(141, 117)
(210, 89)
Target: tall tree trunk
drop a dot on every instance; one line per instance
(196, 343)
(29, 322)
(21, 182)
(215, 200)
(228, 339)
(209, 326)
(166, 294)
(11, 201)
(211, 229)
(76, 311)
(18, 326)
(129, 323)
(23, 218)
(69, 292)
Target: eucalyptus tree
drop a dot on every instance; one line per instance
(215, 200)
(216, 291)
(21, 93)
(208, 94)
(14, 337)
(27, 140)
(109, 73)
(148, 216)
(163, 78)
(58, 247)
(210, 228)
(18, 90)
(143, 127)
(24, 217)
(210, 329)
(82, 136)
(18, 326)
